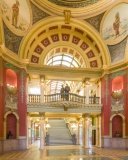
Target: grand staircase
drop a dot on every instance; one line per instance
(58, 133)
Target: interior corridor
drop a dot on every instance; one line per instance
(65, 152)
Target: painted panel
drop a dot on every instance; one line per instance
(115, 25)
(16, 15)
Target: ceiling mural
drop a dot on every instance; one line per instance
(115, 24)
(95, 21)
(74, 3)
(12, 42)
(37, 13)
(117, 51)
(16, 15)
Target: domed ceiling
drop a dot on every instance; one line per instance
(40, 30)
(74, 3)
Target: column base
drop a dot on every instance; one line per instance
(99, 146)
(86, 147)
(41, 149)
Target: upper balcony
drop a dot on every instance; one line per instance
(63, 100)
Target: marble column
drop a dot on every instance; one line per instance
(86, 131)
(99, 131)
(77, 130)
(27, 88)
(87, 91)
(42, 140)
(31, 130)
(34, 131)
(100, 91)
(44, 129)
(42, 88)
(27, 140)
(97, 90)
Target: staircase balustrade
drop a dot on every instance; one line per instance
(33, 98)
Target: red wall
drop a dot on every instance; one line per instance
(22, 110)
(11, 125)
(1, 100)
(117, 125)
(106, 109)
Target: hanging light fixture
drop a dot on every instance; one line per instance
(47, 125)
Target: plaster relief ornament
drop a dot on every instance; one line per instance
(16, 15)
(11, 99)
(115, 25)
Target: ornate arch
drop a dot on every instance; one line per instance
(45, 29)
(123, 117)
(5, 122)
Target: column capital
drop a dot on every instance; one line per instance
(77, 119)
(99, 115)
(86, 81)
(28, 114)
(42, 114)
(86, 116)
(42, 78)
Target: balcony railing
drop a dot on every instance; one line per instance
(63, 97)
(33, 98)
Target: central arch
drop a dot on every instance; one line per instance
(49, 34)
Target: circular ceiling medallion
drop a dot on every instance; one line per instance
(55, 38)
(84, 46)
(45, 42)
(34, 59)
(93, 64)
(75, 40)
(38, 50)
(90, 54)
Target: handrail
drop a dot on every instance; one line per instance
(64, 97)
(33, 98)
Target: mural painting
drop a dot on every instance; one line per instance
(115, 25)
(16, 15)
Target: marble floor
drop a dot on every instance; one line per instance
(66, 152)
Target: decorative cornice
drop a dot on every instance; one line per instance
(62, 104)
(14, 59)
(114, 68)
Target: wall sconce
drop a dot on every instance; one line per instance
(117, 94)
(11, 89)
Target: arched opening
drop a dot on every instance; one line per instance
(117, 125)
(11, 126)
(117, 83)
(11, 78)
